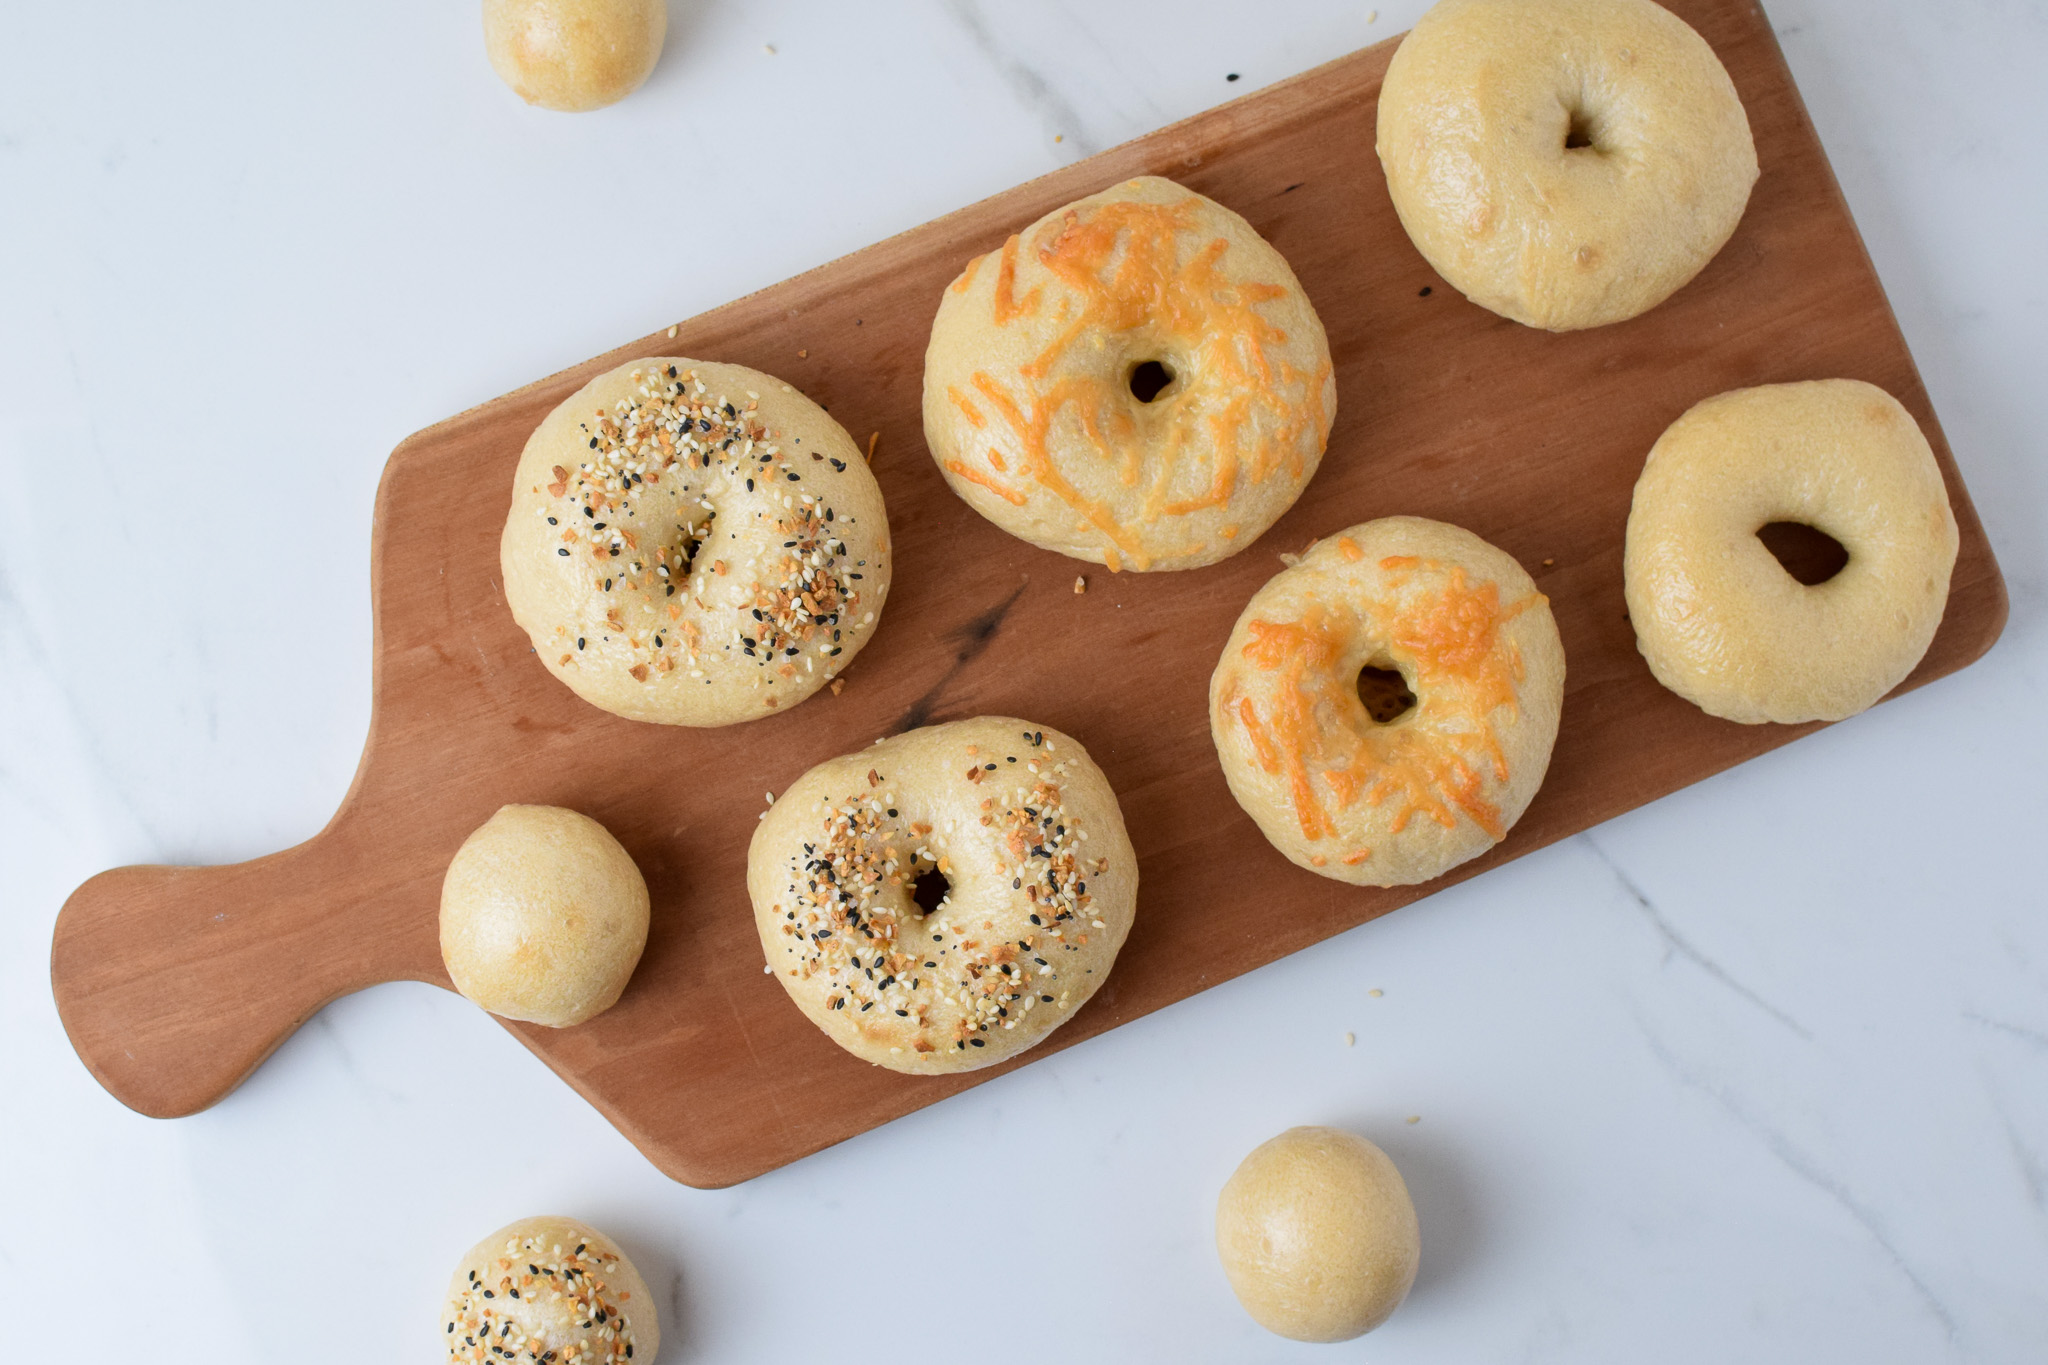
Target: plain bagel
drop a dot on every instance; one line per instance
(1565, 163)
(1719, 620)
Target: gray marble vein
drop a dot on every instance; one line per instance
(2033, 1038)
(1058, 117)
(1803, 1165)
(1679, 945)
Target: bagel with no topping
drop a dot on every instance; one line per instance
(1720, 620)
(1565, 163)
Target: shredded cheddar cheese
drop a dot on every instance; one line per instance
(1439, 627)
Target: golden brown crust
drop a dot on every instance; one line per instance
(1029, 404)
(1389, 804)
(694, 544)
(1041, 887)
(1565, 163)
(1719, 620)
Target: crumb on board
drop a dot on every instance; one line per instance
(803, 354)
(1080, 586)
(1059, 137)
(1548, 562)
(838, 686)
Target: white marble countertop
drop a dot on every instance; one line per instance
(1757, 1073)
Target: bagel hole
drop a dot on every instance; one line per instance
(930, 890)
(1149, 379)
(1811, 556)
(1579, 132)
(693, 541)
(1385, 694)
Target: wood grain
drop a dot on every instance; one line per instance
(176, 982)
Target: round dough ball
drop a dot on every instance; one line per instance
(1565, 163)
(1136, 380)
(543, 916)
(694, 544)
(542, 1287)
(1318, 1235)
(574, 55)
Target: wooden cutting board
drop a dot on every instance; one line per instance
(176, 982)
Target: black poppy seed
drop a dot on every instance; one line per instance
(976, 1042)
(579, 642)
(563, 553)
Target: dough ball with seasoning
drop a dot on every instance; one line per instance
(574, 55)
(1318, 1236)
(549, 1289)
(694, 544)
(543, 916)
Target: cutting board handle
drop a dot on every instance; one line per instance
(174, 983)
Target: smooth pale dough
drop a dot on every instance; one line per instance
(1028, 405)
(574, 55)
(559, 1285)
(1318, 1235)
(1474, 116)
(1719, 620)
(543, 916)
(718, 555)
(1042, 885)
(1389, 804)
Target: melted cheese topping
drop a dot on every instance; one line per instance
(1446, 632)
(1242, 403)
